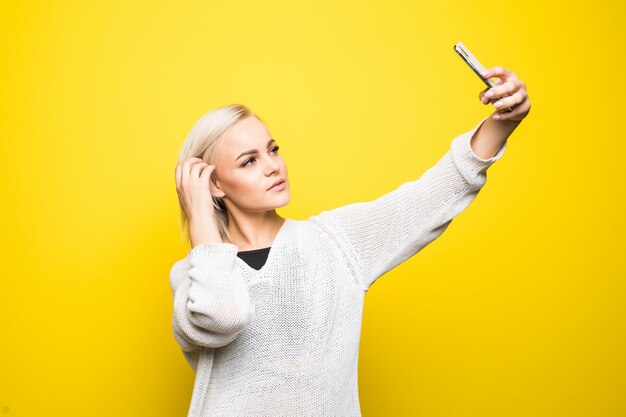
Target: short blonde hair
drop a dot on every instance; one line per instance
(203, 141)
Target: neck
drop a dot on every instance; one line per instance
(254, 232)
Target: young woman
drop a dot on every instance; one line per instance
(268, 310)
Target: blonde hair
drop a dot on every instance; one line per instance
(203, 141)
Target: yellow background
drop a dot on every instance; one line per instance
(516, 310)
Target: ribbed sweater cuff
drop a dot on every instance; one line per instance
(471, 165)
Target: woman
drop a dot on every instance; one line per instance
(268, 310)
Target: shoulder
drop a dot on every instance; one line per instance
(306, 229)
(322, 229)
(323, 223)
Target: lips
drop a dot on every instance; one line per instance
(280, 181)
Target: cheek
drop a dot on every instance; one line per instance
(246, 185)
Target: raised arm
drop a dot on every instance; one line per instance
(385, 232)
(211, 300)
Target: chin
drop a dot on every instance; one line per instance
(286, 201)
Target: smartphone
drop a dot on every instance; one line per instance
(476, 66)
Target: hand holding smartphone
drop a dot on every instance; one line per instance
(476, 66)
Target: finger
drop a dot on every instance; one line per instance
(205, 175)
(196, 171)
(505, 115)
(481, 95)
(510, 101)
(499, 72)
(519, 109)
(504, 90)
(499, 75)
(186, 171)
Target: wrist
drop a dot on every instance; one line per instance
(203, 218)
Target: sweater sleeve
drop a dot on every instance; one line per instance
(392, 228)
(211, 300)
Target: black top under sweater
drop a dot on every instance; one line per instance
(255, 258)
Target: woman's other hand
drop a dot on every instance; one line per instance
(195, 194)
(194, 188)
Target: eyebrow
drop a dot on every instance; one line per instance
(252, 151)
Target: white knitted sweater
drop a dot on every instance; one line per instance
(284, 340)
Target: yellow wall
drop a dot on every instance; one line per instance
(517, 310)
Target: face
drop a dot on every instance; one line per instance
(248, 164)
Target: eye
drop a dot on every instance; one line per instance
(274, 149)
(249, 160)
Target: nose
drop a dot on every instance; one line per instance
(272, 167)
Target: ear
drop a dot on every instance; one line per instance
(214, 186)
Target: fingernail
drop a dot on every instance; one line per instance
(485, 73)
(496, 117)
(489, 93)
